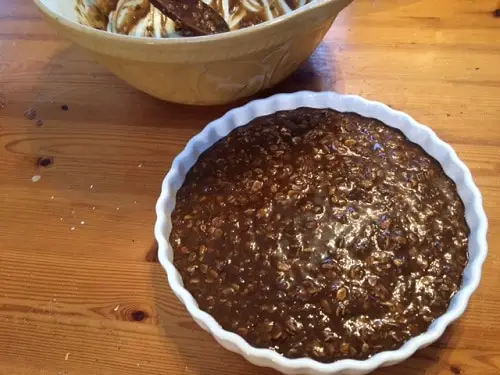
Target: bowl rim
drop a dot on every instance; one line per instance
(468, 191)
(236, 34)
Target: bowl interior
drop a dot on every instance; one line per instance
(64, 8)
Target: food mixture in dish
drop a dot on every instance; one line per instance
(320, 234)
(140, 18)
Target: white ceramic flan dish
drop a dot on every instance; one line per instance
(415, 132)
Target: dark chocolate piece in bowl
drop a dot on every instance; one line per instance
(194, 15)
(320, 234)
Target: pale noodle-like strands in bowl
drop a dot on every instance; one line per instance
(140, 18)
(252, 5)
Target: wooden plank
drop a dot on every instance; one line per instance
(81, 291)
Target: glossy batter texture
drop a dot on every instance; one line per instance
(320, 234)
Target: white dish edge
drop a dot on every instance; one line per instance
(417, 133)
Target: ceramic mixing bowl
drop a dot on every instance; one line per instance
(204, 70)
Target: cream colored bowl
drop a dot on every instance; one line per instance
(209, 69)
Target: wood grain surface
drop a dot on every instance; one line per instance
(81, 291)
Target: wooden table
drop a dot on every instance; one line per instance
(81, 291)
